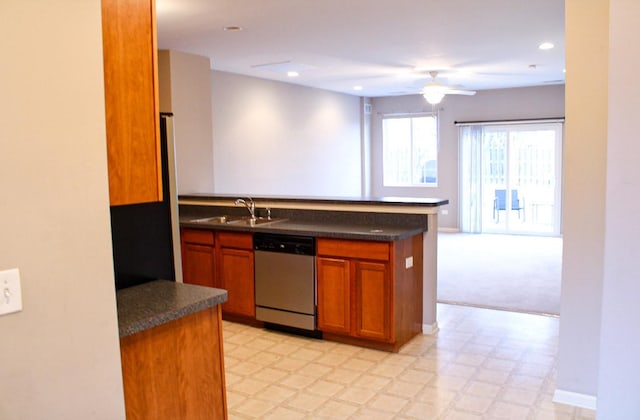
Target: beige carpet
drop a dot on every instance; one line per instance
(512, 272)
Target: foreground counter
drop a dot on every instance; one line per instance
(172, 351)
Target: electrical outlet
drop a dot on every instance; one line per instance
(10, 291)
(444, 212)
(408, 262)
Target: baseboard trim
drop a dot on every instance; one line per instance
(575, 399)
(430, 329)
(448, 230)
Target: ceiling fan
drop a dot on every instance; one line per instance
(434, 91)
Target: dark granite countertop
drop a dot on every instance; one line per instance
(151, 304)
(317, 229)
(364, 218)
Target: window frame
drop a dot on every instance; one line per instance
(411, 116)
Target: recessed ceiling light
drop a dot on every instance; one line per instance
(357, 87)
(293, 74)
(233, 28)
(546, 46)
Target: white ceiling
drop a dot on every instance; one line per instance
(386, 46)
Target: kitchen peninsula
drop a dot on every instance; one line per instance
(171, 349)
(363, 221)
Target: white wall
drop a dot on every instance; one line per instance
(185, 90)
(60, 355)
(273, 138)
(619, 381)
(499, 104)
(584, 195)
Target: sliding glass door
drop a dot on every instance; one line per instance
(517, 171)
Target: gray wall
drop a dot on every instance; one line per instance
(599, 343)
(273, 138)
(619, 380)
(185, 90)
(584, 196)
(499, 104)
(60, 355)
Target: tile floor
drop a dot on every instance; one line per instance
(482, 364)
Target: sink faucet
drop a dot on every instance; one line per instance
(249, 204)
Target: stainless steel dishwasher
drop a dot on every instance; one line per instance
(285, 280)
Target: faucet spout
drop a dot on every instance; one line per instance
(249, 204)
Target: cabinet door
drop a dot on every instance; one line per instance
(334, 295)
(131, 104)
(198, 264)
(373, 300)
(236, 268)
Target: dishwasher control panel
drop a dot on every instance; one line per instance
(288, 244)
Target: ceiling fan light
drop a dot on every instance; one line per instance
(433, 94)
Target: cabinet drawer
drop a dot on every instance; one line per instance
(353, 249)
(235, 240)
(198, 236)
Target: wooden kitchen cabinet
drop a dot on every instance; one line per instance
(353, 292)
(198, 257)
(224, 260)
(176, 370)
(370, 293)
(131, 101)
(236, 273)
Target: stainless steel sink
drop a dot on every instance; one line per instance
(248, 221)
(236, 220)
(213, 220)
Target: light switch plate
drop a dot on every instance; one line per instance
(10, 291)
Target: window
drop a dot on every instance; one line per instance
(410, 151)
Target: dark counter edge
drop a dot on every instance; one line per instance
(396, 201)
(151, 304)
(317, 231)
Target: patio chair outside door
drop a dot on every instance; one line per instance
(500, 204)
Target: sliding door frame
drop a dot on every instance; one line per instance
(471, 209)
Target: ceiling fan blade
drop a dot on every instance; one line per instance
(460, 92)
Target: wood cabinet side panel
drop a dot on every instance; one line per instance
(407, 305)
(220, 360)
(166, 368)
(201, 367)
(148, 373)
